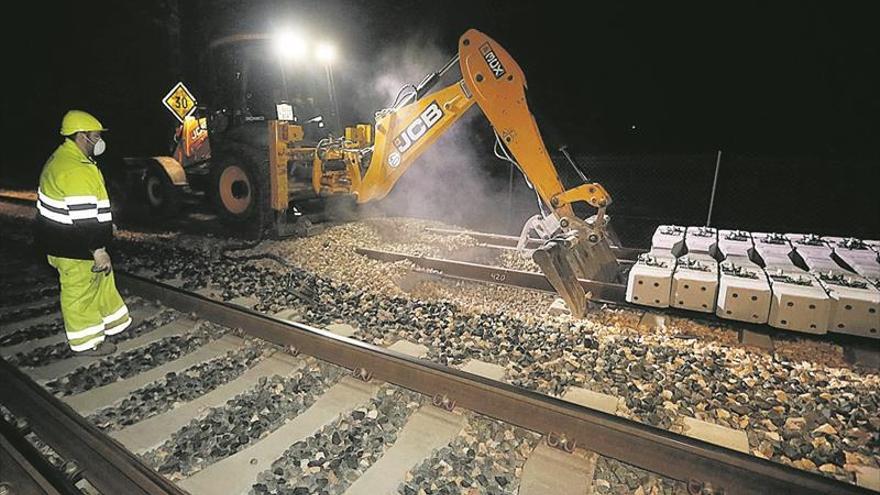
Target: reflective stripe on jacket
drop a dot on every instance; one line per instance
(74, 209)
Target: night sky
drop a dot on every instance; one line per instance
(792, 79)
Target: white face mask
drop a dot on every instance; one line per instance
(99, 146)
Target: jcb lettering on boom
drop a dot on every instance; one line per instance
(418, 127)
(492, 61)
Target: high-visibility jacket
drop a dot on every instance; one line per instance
(74, 209)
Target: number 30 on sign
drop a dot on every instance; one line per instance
(179, 101)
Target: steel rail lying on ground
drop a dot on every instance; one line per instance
(601, 291)
(508, 241)
(653, 449)
(609, 293)
(107, 465)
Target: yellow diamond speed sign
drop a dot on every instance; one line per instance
(179, 101)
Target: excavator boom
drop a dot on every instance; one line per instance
(491, 79)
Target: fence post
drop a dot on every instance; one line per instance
(714, 185)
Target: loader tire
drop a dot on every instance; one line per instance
(240, 190)
(162, 197)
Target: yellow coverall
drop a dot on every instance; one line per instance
(74, 220)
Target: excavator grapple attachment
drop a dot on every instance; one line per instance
(553, 260)
(582, 252)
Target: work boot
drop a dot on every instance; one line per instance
(102, 349)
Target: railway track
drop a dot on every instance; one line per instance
(845, 269)
(859, 350)
(219, 398)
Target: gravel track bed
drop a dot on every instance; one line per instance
(42, 356)
(18, 282)
(15, 297)
(613, 477)
(659, 370)
(332, 255)
(487, 457)
(329, 461)
(124, 365)
(31, 311)
(45, 355)
(513, 261)
(242, 421)
(177, 387)
(35, 332)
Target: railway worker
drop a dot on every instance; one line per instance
(74, 226)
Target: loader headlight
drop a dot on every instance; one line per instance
(289, 45)
(326, 53)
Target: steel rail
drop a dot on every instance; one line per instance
(857, 349)
(601, 291)
(107, 465)
(20, 476)
(31, 471)
(508, 241)
(674, 456)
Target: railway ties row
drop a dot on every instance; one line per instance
(424, 424)
(414, 437)
(277, 468)
(488, 397)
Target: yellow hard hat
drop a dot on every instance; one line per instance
(79, 121)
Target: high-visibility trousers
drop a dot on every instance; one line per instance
(90, 304)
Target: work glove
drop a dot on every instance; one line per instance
(102, 261)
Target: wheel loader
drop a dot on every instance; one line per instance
(262, 149)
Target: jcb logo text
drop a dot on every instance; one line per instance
(418, 127)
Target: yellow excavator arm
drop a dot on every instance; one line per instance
(493, 80)
(402, 136)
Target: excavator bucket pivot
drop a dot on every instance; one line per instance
(594, 260)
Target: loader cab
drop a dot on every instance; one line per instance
(247, 82)
(246, 86)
